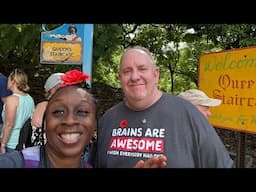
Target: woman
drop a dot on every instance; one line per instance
(69, 124)
(51, 85)
(16, 110)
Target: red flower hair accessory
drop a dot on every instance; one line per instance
(73, 77)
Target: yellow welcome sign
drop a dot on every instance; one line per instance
(231, 76)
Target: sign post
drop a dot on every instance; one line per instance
(87, 50)
(68, 44)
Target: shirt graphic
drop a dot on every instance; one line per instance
(136, 141)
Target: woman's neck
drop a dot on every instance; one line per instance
(16, 90)
(60, 162)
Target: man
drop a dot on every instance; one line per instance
(200, 100)
(4, 92)
(203, 103)
(155, 129)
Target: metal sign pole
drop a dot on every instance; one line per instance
(241, 149)
(87, 51)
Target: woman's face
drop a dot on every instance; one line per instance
(70, 121)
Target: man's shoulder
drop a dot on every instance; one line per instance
(2, 76)
(3, 80)
(172, 99)
(115, 108)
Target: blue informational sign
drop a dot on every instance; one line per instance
(68, 44)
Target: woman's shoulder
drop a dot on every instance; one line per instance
(31, 157)
(41, 106)
(11, 160)
(12, 98)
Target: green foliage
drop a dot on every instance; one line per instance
(106, 49)
(176, 50)
(106, 73)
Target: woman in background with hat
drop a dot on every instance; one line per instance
(50, 87)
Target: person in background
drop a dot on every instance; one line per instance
(17, 109)
(71, 36)
(153, 128)
(51, 85)
(69, 123)
(203, 103)
(200, 100)
(4, 92)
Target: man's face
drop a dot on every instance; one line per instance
(138, 75)
(204, 110)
